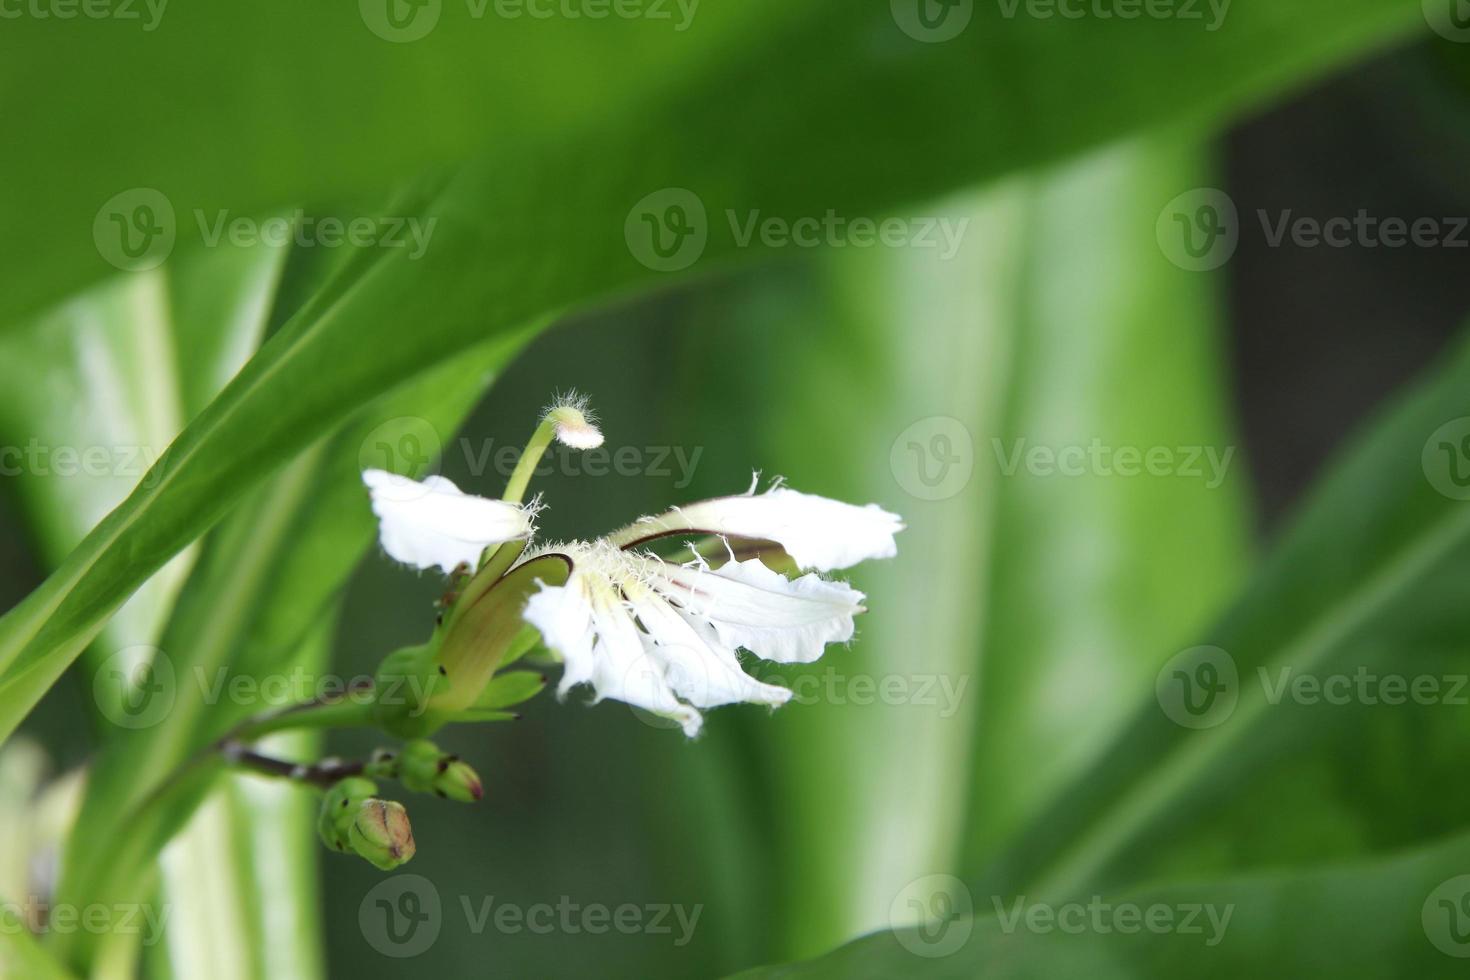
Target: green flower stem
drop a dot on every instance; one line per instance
(350, 710)
(520, 477)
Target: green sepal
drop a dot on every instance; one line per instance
(525, 643)
(339, 809)
(481, 636)
(510, 689)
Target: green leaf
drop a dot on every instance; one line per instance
(655, 106)
(938, 103)
(266, 581)
(1094, 563)
(1401, 916)
(20, 954)
(1366, 585)
(109, 379)
(1028, 333)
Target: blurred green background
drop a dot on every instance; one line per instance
(1027, 615)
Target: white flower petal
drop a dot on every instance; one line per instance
(817, 532)
(563, 614)
(750, 606)
(622, 669)
(697, 665)
(434, 525)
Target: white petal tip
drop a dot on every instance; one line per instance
(584, 436)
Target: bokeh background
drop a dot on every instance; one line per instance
(1062, 318)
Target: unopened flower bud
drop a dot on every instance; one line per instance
(382, 834)
(426, 769)
(575, 424)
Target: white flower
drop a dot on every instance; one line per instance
(663, 636)
(815, 531)
(434, 525)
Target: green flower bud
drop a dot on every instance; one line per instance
(425, 769)
(339, 809)
(381, 833)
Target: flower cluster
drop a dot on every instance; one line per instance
(653, 614)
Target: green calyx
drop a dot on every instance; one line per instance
(353, 818)
(452, 678)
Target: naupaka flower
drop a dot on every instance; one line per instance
(663, 634)
(656, 628)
